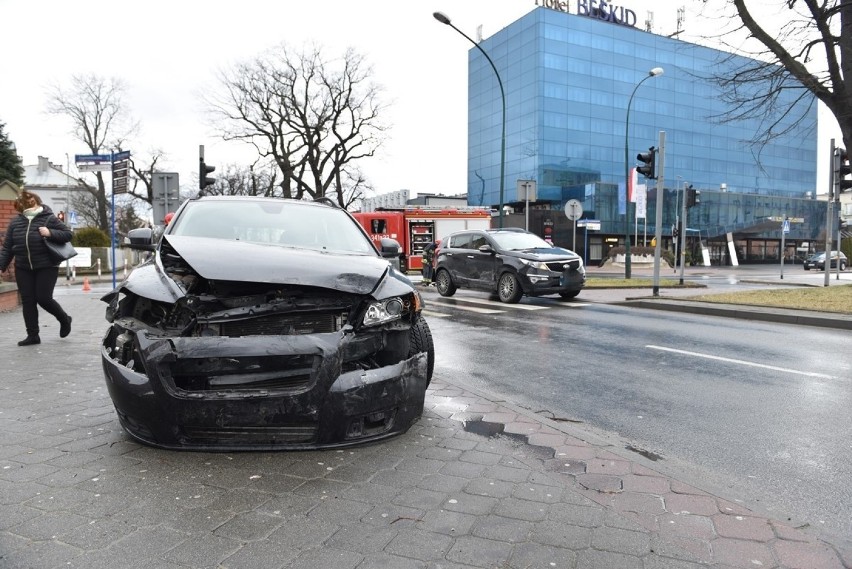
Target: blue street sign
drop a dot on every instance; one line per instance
(123, 155)
(72, 217)
(93, 158)
(786, 226)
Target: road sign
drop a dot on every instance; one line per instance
(590, 224)
(573, 210)
(93, 158)
(119, 186)
(786, 226)
(124, 155)
(72, 218)
(526, 190)
(95, 167)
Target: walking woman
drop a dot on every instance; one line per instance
(35, 272)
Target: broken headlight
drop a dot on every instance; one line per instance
(390, 309)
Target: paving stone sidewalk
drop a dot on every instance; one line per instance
(476, 483)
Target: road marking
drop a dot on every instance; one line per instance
(574, 305)
(741, 362)
(468, 308)
(496, 303)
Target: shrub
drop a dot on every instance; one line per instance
(90, 237)
(665, 255)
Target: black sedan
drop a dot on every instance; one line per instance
(817, 261)
(262, 323)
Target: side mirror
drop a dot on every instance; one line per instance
(141, 239)
(389, 248)
(486, 248)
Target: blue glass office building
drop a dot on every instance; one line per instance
(567, 80)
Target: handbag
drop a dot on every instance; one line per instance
(59, 252)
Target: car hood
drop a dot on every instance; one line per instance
(218, 259)
(545, 255)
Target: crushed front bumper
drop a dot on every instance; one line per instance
(259, 393)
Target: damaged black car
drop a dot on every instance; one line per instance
(263, 323)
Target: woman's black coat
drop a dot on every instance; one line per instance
(26, 245)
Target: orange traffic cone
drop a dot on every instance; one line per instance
(86, 286)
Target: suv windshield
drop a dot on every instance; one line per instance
(518, 241)
(286, 223)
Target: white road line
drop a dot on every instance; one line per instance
(741, 362)
(468, 308)
(573, 305)
(498, 303)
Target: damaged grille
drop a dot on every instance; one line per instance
(293, 433)
(285, 324)
(289, 373)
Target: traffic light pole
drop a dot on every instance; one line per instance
(683, 232)
(658, 214)
(829, 214)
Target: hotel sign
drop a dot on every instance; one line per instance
(597, 9)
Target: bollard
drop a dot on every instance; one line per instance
(125, 268)
(99, 269)
(73, 272)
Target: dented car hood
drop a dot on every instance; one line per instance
(218, 259)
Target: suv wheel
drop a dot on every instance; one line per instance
(842, 265)
(509, 289)
(444, 283)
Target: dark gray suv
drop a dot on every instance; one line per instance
(511, 262)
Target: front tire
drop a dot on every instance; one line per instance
(444, 283)
(509, 289)
(842, 266)
(421, 341)
(569, 295)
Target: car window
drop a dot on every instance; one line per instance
(519, 241)
(478, 241)
(275, 223)
(461, 241)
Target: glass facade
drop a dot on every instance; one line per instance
(568, 79)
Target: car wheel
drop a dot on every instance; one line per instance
(444, 283)
(569, 295)
(807, 268)
(842, 266)
(421, 341)
(509, 289)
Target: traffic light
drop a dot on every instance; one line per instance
(841, 170)
(203, 179)
(693, 197)
(61, 216)
(649, 159)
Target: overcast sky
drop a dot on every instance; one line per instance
(168, 52)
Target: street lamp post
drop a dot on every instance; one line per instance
(444, 19)
(652, 73)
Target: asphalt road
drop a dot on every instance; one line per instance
(757, 412)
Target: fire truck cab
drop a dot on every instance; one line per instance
(414, 227)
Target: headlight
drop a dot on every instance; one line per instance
(383, 311)
(535, 264)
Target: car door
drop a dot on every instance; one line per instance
(453, 257)
(482, 264)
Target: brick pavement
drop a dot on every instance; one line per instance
(76, 492)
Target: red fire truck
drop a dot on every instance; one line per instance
(417, 226)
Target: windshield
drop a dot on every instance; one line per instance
(273, 222)
(517, 241)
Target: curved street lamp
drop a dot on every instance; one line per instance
(652, 73)
(444, 19)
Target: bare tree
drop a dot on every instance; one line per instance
(252, 180)
(809, 51)
(315, 119)
(99, 120)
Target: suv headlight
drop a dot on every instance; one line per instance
(535, 264)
